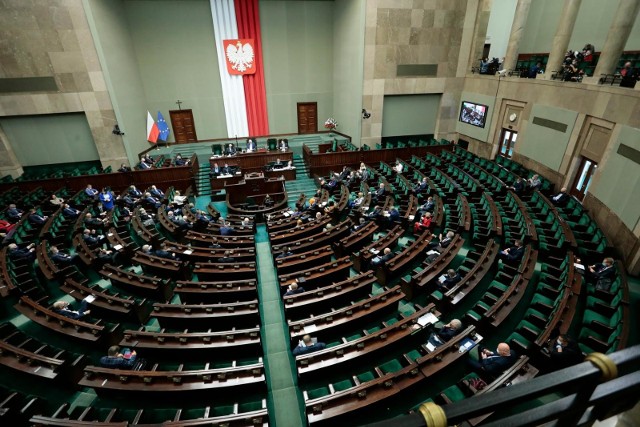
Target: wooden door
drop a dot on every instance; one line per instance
(307, 117)
(184, 128)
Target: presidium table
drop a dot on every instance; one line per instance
(251, 163)
(248, 195)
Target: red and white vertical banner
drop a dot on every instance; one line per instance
(236, 26)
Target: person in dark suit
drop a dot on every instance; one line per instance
(62, 307)
(287, 252)
(226, 229)
(344, 174)
(603, 274)
(143, 165)
(251, 145)
(91, 192)
(562, 198)
(420, 186)
(227, 258)
(382, 260)
(35, 218)
(519, 186)
(179, 161)
(283, 145)
(380, 193)
(294, 289)
(512, 255)
(69, 212)
(230, 150)
(428, 205)
(162, 252)
(451, 279)
(308, 346)
(447, 332)
(227, 170)
(124, 168)
(14, 213)
(493, 363)
(564, 353)
(392, 216)
(91, 222)
(443, 241)
(61, 259)
(152, 200)
(364, 174)
(375, 213)
(27, 253)
(215, 170)
(156, 192)
(91, 238)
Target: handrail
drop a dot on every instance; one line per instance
(593, 390)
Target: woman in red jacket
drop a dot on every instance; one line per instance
(425, 223)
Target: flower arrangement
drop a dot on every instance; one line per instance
(331, 123)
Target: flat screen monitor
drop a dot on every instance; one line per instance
(473, 114)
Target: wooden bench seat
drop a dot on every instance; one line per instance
(318, 275)
(141, 284)
(304, 261)
(362, 259)
(385, 273)
(216, 291)
(215, 316)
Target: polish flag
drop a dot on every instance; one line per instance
(152, 129)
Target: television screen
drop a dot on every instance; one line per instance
(473, 114)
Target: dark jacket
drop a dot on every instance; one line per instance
(308, 349)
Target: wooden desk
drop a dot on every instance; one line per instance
(252, 162)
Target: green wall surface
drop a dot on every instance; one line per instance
(50, 139)
(541, 26)
(117, 56)
(543, 144)
(410, 114)
(348, 66)
(297, 43)
(623, 175)
(481, 134)
(176, 55)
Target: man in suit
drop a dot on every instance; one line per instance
(392, 215)
(562, 198)
(227, 170)
(364, 175)
(117, 360)
(156, 192)
(287, 252)
(152, 200)
(382, 260)
(443, 241)
(251, 145)
(380, 193)
(278, 164)
(35, 218)
(14, 213)
(143, 165)
(518, 186)
(61, 259)
(179, 221)
(91, 192)
(294, 289)
(215, 170)
(226, 229)
(534, 183)
(420, 186)
(62, 307)
(283, 145)
(227, 258)
(179, 161)
(344, 174)
(124, 168)
(451, 279)
(307, 346)
(69, 212)
(493, 363)
(91, 238)
(375, 213)
(230, 150)
(513, 255)
(91, 222)
(162, 252)
(602, 274)
(447, 332)
(564, 352)
(28, 252)
(427, 206)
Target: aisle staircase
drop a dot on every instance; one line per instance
(302, 184)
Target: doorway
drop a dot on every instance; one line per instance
(184, 128)
(583, 178)
(507, 143)
(307, 117)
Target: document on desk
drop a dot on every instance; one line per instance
(427, 319)
(309, 329)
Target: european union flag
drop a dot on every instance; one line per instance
(163, 127)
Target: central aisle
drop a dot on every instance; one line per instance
(285, 401)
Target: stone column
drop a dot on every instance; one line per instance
(479, 32)
(563, 35)
(617, 37)
(9, 164)
(517, 30)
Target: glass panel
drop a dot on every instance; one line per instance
(593, 171)
(583, 175)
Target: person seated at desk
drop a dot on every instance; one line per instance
(268, 201)
(116, 359)
(56, 201)
(226, 229)
(251, 145)
(143, 165)
(60, 258)
(449, 280)
(227, 170)
(602, 275)
(227, 258)
(513, 255)
(294, 289)
(287, 252)
(363, 174)
(152, 200)
(350, 180)
(134, 192)
(179, 161)
(124, 168)
(91, 238)
(278, 164)
(564, 352)
(179, 199)
(361, 223)
(162, 252)
(14, 213)
(146, 249)
(398, 168)
(27, 253)
(308, 345)
(179, 221)
(518, 186)
(379, 194)
(6, 226)
(69, 212)
(562, 198)
(230, 150)
(35, 218)
(91, 192)
(375, 213)
(290, 165)
(91, 222)
(330, 208)
(493, 363)
(215, 170)
(420, 186)
(283, 145)
(62, 307)
(534, 183)
(382, 260)
(392, 215)
(147, 159)
(445, 334)
(146, 218)
(427, 206)
(156, 192)
(344, 174)
(357, 202)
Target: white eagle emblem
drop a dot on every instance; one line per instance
(240, 56)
